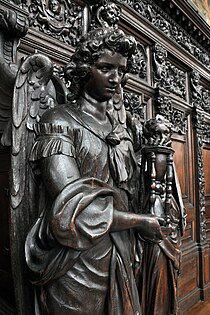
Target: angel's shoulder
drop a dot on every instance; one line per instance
(56, 116)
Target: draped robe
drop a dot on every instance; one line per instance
(79, 265)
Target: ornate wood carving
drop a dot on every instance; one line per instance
(59, 19)
(206, 133)
(198, 123)
(167, 75)
(134, 103)
(163, 106)
(62, 20)
(138, 65)
(206, 100)
(161, 20)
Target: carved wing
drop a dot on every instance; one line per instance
(34, 93)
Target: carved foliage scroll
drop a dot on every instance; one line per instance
(206, 133)
(178, 118)
(134, 103)
(198, 121)
(199, 126)
(200, 96)
(138, 64)
(167, 75)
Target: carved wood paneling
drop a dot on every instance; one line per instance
(59, 19)
(161, 20)
(170, 75)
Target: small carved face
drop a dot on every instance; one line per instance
(55, 6)
(111, 13)
(106, 75)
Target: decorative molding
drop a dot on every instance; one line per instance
(167, 75)
(59, 19)
(161, 20)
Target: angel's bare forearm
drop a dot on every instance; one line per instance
(125, 220)
(146, 225)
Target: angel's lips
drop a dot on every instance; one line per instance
(111, 89)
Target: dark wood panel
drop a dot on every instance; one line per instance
(207, 267)
(188, 280)
(206, 159)
(180, 162)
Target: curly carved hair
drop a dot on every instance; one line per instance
(88, 51)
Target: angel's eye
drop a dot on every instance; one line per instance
(121, 71)
(104, 69)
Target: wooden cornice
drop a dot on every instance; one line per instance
(187, 15)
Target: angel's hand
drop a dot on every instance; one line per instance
(150, 230)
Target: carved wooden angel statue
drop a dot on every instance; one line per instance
(75, 184)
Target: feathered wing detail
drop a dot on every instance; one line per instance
(31, 99)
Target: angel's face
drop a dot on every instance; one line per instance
(106, 75)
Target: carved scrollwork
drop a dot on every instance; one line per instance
(134, 103)
(59, 19)
(177, 80)
(206, 100)
(163, 106)
(149, 10)
(200, 96)
(199, 125)
(196, 89)
(166, 75)
(160, 65)
(138, 65)
(206, 134)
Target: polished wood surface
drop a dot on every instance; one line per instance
(202, 308)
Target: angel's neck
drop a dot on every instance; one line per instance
(93, 107)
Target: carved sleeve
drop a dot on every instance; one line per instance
(52, 139)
